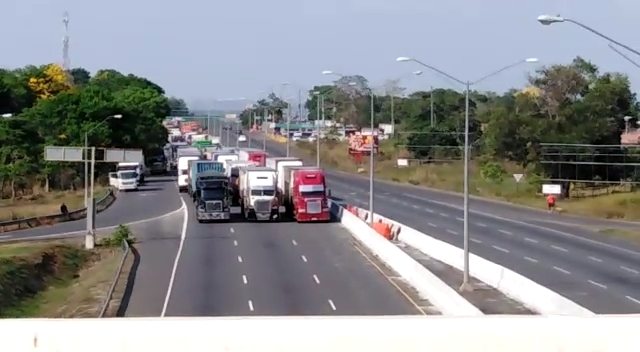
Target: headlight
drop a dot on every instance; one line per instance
(200, 208)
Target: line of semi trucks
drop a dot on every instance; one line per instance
(264, 187)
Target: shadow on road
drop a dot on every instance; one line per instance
(131, 280)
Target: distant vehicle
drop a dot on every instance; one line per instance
(242, 138)
(239, 132)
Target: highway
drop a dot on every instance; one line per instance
(279, 268)
(154, 199)
(600, 273)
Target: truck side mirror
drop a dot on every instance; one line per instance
(328, 192)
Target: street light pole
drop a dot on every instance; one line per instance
(466, 285)
(288, 127)
(371, 159)
(549, 20)
(318, 95)
(86, 158)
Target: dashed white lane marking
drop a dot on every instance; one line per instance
(315, 278)
(432, 225)
(481, 224)
(251, 306)
(562, 270)
(333, 306)
(240, 259)
(597, 284)
(304, 259)
(235, 243)
(416, 207)
(500, 249)
(629, 269)
(428, 210)
(452, 232)
(445, 215)
(459, 219)
(559, 248)
(505, 232)
(475, 240)
(530, 240)
(633, 299)
(531, 259)
(596, 259)
(244, 279)
(232, 230)
(294, 242)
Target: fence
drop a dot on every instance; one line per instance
(14, 225)
(107, 300)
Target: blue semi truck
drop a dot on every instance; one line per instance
(210, 190)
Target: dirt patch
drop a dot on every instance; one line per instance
(612, 202)
(58, 279)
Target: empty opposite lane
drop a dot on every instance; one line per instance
(252, 268)
(600, 274)
(156, 198)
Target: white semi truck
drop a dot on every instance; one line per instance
(278, 164)
(257, 187)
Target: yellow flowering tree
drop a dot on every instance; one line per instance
(51, 80)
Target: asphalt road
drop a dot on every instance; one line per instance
(279, 268)
(156, 198)
(600, 273)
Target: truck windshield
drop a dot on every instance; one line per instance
(127, 167)
(263, 192)
(128, 175)
(213, 193)
(312, 194)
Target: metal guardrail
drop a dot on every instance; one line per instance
(107, 300)
(19, 224)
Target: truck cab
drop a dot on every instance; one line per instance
(258, 198)
(212, 197)
(138, 168)
(124, 181)
(307, 194)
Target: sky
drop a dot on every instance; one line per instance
(208, 51)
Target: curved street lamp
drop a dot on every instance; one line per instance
(465, 281)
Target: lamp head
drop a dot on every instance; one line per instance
(548, 20)
(417, 73)
(118, 116)
(327, 72)
(531, 60)
(403, 59)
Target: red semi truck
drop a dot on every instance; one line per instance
(306, 193)
(256, 155)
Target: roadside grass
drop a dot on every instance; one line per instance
(607, 203)
(41, 204)
(71, 283)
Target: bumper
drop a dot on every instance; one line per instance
(305, 217)
(127, 187)
(213, 216)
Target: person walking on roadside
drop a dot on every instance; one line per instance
(551, 202)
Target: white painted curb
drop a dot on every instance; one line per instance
(533, 295)
(430, 287)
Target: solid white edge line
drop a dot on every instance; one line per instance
(183, 236)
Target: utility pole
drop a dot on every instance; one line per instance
(433, 116)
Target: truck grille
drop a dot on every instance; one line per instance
(213, 206)
(314, 207)
(262, 206)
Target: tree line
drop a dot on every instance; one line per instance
(572, 104)
(53, 107)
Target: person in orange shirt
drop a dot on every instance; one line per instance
(551, 202)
